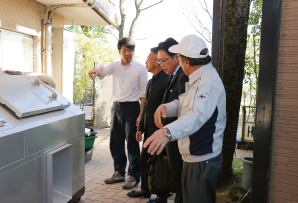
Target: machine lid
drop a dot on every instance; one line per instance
(27, 95)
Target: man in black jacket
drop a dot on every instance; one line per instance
(154, 94)
(176, 86)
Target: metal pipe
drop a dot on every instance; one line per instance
(69, 5)
(48, 48)
(47, 33)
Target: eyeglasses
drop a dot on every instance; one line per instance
(162, 61)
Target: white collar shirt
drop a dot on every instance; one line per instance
(176, 70)
(129, 82)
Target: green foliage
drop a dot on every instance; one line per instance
(99, 32)
(255, 16)
(90, 47)
(251, 70)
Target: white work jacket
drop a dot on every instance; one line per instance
(201, 112)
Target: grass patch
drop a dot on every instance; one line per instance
(236, 165)
(231, 191)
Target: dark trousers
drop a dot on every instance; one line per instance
(145, 156)
(123, 127)
(200, 180)
(176, 164)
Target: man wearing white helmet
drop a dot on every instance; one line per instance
(201, 122)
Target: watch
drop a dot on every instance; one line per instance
(168, 134)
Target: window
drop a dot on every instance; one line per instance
(16, 51)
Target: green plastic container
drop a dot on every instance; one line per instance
(89, 142)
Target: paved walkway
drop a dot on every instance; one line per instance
(101, 167)
(243, 153)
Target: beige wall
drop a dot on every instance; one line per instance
(25, 16)
(103, 100)
(283, 183)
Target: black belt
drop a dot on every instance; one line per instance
(125, 103)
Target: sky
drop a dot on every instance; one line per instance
(160, 22)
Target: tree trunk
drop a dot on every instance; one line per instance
(123, 16)
(236, 20)
(138, 5)
(133, 24)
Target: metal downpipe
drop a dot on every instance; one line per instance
(48, 48)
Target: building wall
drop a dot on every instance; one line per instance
(283, 182)
(25, 16)
(103, 100)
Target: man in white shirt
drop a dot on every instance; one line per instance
(201, 122)
(129, 86)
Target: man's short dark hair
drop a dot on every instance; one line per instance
(198, 61)
(127, 42)
(154, 50)
(166, 45)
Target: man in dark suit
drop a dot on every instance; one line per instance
(154, 94)
(170, 63)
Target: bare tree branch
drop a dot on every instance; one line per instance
(123, 16)
(144, 38)
(152, 5)
(138, 5)
(147, 37)
(141, 20)
(203, 27)
(202, 31)
(190, 9)
(133, 24)
(109, 32)
(138, 12)
(112, 2)
(121, 6)
(255, 60)
(205, 8)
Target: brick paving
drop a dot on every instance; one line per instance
(243, 153)
(101, 167)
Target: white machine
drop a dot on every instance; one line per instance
(42, 143)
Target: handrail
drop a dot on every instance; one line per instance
(38, 81)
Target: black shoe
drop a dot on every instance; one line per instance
(135, 193)
(155, 200)
(117, 177)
